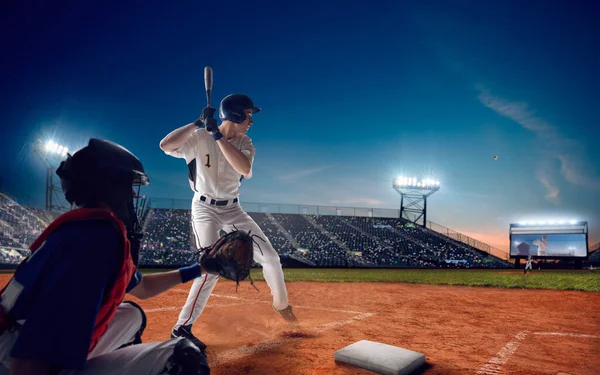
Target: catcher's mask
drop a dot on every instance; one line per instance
(105, 173)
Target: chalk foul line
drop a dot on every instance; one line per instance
(258, 301)
(567, 334)
(236, 354)
(172, 308)
(262, 346)
(494, 365)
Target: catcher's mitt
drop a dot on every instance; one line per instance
(231, 256)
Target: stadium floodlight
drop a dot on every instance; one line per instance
(414, 192)
(414, 182)
(51, 153)
(55, 148)
(550, 222)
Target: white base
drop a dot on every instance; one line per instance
(380, 358)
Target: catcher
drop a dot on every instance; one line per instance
(63, 311)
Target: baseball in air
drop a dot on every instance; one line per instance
(495, 157)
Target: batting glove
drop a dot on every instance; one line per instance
(213, 129)
(207, 112)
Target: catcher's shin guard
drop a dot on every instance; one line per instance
(287, 314)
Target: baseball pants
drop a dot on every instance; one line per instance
(207, 221)
(114, 353)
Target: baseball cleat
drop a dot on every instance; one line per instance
(186, 331)
(187, 359)
(287, 314)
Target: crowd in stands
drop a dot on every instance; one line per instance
(20, 225)
(313, 245)
(12, 256)
(168, 238)
(318, 240)
(272, 233)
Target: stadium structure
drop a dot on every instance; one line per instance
(304, 235)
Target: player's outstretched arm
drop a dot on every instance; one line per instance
(175, 139)
(156, 283)
(235, 157)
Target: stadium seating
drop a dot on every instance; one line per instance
(319, 240)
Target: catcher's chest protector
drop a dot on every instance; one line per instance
(115, 295)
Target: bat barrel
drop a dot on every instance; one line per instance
(208, 83)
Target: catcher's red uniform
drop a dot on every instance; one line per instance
(115, 295)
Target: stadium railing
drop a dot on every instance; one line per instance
(467, 240)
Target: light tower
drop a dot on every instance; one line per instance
(51, 154)
(413, 197)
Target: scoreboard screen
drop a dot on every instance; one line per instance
(549, 241)
(549, 245)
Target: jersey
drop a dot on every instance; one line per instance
(62, 295)
(209, 172)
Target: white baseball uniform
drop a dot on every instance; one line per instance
(216, 206)
(528, 264)
(107, 358)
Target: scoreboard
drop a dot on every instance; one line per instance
(544, 240)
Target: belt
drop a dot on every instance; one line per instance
(216, 202)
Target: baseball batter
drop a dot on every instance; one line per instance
(542, 245)
(218, 159)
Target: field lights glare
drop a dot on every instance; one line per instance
(547, 222)
(414, 182)
(55, 148)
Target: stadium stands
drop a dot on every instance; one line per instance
(168, 239)
(19, 227)
(315, 240)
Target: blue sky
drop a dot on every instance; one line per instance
(352, 95)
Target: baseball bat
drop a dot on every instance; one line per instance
(208, 83)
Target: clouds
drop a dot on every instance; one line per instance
(302, 173)
(518, 112)
(575, 171)
(494, 238)
(551, 143)
(552, 191)
(358, 201)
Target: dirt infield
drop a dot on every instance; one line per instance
(461, 330)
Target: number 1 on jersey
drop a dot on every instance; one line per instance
(207, 161)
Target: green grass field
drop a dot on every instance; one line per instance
(549, 279)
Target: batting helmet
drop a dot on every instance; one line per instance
(233, 106)
(105, 172)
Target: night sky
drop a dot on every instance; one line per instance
(353, 94)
